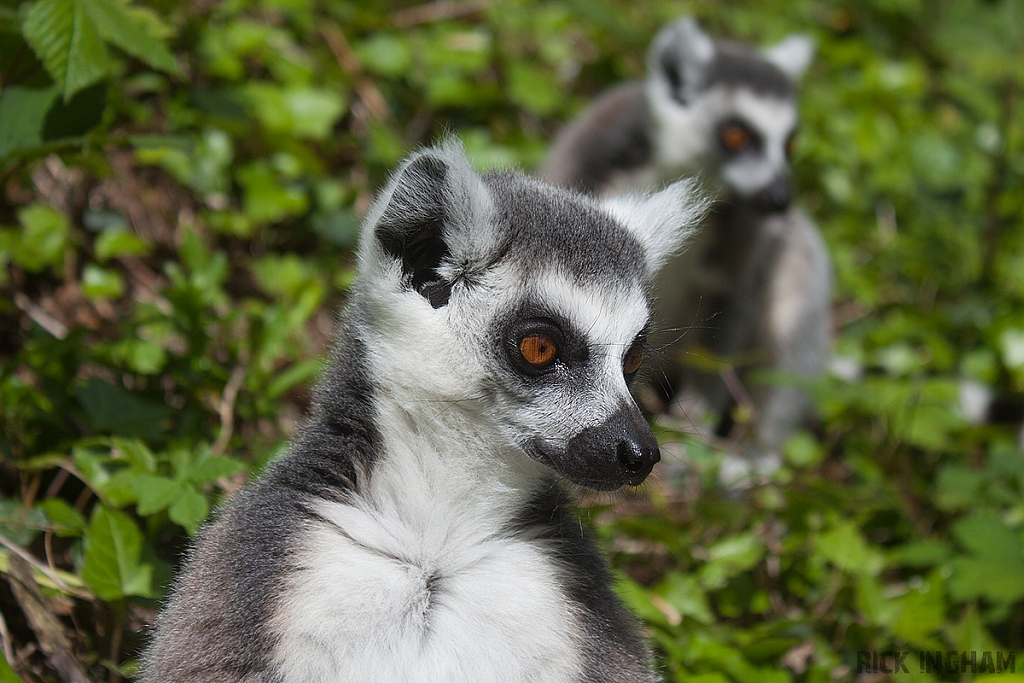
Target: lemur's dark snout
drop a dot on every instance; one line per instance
(775, 197)
(638, 459)
(628, 438)
(620, 451)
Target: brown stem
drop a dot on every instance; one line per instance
(368, 93)
(435, 11)
(226, 409)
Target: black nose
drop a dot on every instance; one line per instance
(781, 195)
(775, 197)
(622, 450)
(638, 458)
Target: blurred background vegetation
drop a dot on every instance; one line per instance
(181, 185)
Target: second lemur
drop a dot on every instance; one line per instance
(754, 287)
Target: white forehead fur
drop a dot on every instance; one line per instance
(793, 55)
(661, 222)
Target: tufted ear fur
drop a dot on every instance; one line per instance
(425, 220)
(663, 221)
(678, 56)
(793, 55)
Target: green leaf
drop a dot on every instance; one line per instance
(22, 113)
(43, 238)
(68, 520)
(730, 557)
(803, 450)
(18, 525)
(132, 31)
(299, 373)
(685, 594)
(924, 609)
(385, 146)
(874, 604)
(213, 468)
(533, 88)
(844, 547)
(154, 493)
(101, 283)
(119, 488)
(920, 553)
(994, 566)
(136, 453)
(302, 111)
(190, 509)
(94, 465)
(729, 659)
(1011, 343)
(140, 355)
(65, 39)
(115, 243)
(113, 548)
(958, 487)
(385, 54)
(117, 411)
(970, 633)
(638, 600)
(7, 675)
(265, 199)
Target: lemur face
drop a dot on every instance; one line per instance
(522, 306)
(753, 139)
(726, 110)
(563, 357)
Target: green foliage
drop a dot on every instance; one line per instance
(182, 186)
(69, 35)
(6, 674)
(113, 548)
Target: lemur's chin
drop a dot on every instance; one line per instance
(619, 452)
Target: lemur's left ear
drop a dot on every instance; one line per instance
(678, 57)
(423, 217)
(662, 222)
(793, 55)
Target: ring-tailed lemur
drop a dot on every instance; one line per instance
(416, 530)
(754, 286)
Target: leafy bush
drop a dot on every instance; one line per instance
(182, 186)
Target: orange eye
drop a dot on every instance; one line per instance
(538, 350)
(735, 138)
(631, 363)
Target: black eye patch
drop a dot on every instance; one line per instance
(736, 136)
(535, 342)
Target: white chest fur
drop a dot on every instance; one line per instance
(363, 607)
(418, 580)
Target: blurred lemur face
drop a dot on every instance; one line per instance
(728, 110)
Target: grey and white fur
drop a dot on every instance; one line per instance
(417, 530)
(755, 283)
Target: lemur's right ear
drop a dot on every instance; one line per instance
(793, 55)
(422, 221)
(663, 221)
(678, 56)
